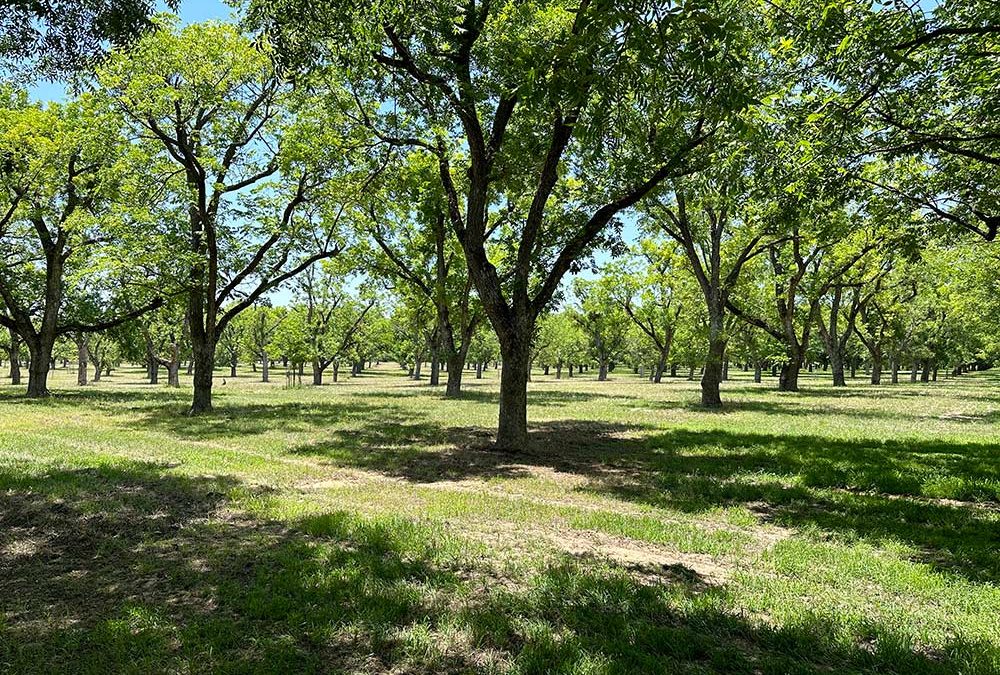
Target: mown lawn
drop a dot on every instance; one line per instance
(366, 527)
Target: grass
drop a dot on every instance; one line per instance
(366, 527)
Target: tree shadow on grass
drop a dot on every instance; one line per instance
(127, 567)
(941, 497)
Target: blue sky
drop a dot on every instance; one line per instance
(191, 11)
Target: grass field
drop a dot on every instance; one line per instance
(366, 527)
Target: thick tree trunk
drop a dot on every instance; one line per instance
(416, 369)
(925, 371)
(876, 367)
(837, 367)
(203, 358)
(455, 361)
(712, 374)
(602, 370)
(788, 379)
(913, 371)
(559, 366)
(757, 372)
(317, 372)
(97, 372)
(512, 430)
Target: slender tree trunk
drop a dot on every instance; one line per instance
(14, 353)
(416, 369)
(559, 366)
(894, 368)
(232, 366)
(479, 370)
(512, 430)
(661, 365)
(757, 372)
(82, 358)
(913, 371)
(336, 371)
(265, 362)
(925, 373)
(97, 371)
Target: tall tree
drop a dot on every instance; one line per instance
(262, 173)
(566, 113)
(66, 228)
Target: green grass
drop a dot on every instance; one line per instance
(366, 527)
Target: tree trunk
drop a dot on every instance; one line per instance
(203, 358)
(317, 371)
(925, 373)
(265, 362)
(455, 361)
(512, 430)
(38, 368)
(602, 370)
(788, 380)
(712, 374)
(232, 367)
(97, 371)
(479, 370)
(14, 353)
(895, 371)
(154, 370)
(876, 367)
(837, 366)
(416, 369)
(757, 372)
(82, 358)
(559, 366)
(661, 365)
(336, 371)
